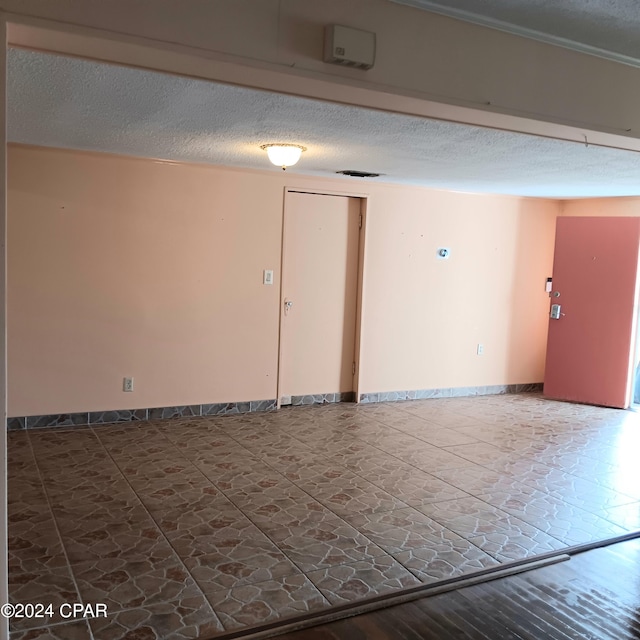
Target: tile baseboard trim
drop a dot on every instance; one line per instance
(450, 392)
(322, 398)
(93, 418)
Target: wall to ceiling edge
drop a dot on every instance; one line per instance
(627, 206)
(130, 267)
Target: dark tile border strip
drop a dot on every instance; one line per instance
(15, 424)
(135, 415)
(226, 408)
(184, 411)
(57, 420)
(323, 398)
(107, 417)
(234, 408)
(449, 392)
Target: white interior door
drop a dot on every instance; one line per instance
(319, 294)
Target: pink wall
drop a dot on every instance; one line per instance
(121, 266)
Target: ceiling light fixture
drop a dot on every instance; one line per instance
(283, 155)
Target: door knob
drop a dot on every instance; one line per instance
(287, 306)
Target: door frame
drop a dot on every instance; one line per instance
(363, 197)
(635, 349)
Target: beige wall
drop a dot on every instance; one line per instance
(420, 55)
(425, 317)
(122, 266)
(132, 267)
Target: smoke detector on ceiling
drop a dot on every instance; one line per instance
(350, 47)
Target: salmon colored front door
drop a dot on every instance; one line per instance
(319, 294)
(595, 280)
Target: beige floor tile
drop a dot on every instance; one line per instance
(318, 544)
(512, 546)
(190, 619)
(53, 586)
(215, 512)
(359, 580)
(626, 516)
(26, 490)
(78, 630)
(34, 543)
(249, 561)
(212, 533)
(469, 517)
(401, 530)
(415, 487)
(261, 602)
(124, 584)
(444, 560)
(477, 479)
(443, 437)
(96, 540)
(433, 459)
(571, 525)
(350, 494)
(482, 453)
(303, 514)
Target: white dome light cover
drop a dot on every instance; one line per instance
(283, 155)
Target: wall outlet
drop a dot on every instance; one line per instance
(480, 349)
(127, 384)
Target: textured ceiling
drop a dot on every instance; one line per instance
(606, 27)
(71, 103)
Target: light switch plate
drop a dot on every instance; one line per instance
(267, 276)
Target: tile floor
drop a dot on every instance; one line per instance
(186, 528)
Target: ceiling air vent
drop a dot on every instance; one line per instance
(359, 174)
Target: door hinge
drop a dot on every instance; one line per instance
(360, 222)
(353, 369)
